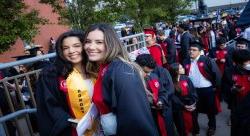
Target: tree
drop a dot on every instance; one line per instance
(16, 22)
(146, 12)
(81, 13)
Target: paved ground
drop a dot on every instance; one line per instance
(222, 128)
(221, 120)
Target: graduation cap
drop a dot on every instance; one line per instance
(149, 31)
(241, 40)
(241, 56)
(184, 26)
(221, 41)
(196, 44)
(33, 50)
(22, 57)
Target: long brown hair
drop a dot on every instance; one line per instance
(113, 45)
(114, 50)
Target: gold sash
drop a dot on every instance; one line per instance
(78, 96)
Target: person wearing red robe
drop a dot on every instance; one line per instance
(155, 49)
(204, 38)
(221, 54)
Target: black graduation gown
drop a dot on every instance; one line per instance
(240, 106)
(165, 95)
(179, 101)
(153, 85)
(124, 92)
(171, 51)
(211, 72)
(186, 39)
(226, 85)
(52, 108)
(41, 64)
(166, 84)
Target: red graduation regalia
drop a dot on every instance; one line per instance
(237, 82)
(244, 82)
(185, 96)
(156, 53)
(154, 86)
(187, 90)
(209, 69)
(165, 95)
(221, 54)
(124, 94)
(205, 41)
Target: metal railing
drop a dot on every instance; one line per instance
(139, 42)
(130, 47)
(17, 111)
(232, 42)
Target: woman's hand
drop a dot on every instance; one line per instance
(190, 107)
(159, 105)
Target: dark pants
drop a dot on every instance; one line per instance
(211, 122)
(206, 104)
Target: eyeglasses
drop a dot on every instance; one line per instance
(193, 50)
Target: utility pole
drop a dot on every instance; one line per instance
(202, 7)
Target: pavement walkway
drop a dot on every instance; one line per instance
(223, 129)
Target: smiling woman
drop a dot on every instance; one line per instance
(94, 46)
(72, 50)
(64, 91)
(119, 92)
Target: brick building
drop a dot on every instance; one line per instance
(53, 29)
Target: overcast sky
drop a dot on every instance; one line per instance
(222, 2)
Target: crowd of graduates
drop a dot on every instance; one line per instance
(186, 70)
(205, 71)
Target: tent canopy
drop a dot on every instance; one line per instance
(244, 19)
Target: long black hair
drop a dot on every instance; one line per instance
(63, 66)
(174, 72)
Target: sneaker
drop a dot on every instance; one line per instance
(196, 134)
(229, 122)
(211, 132)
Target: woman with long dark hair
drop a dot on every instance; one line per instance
(65, 90)
(184, 100)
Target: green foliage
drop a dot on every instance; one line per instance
(14, 23)
(146, 12)
(81, 13)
